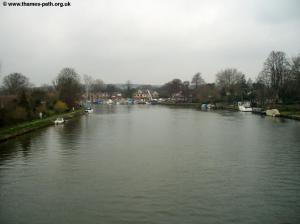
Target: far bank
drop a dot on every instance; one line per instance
(286, 111)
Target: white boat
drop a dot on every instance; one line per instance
(59, 120)
(204, 106)
(272, 112)
(244, 107)
(109, 102)
(89, 110)
(208, 106)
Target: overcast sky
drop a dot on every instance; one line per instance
(146, 41)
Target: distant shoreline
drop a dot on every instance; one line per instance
(14, 131)
(293, 115)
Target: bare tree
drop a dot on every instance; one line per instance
(292, 85)
(171, 88)
(68, 86)
(110, 89)
(15, 83)
(186, 90)
(175, 86)
(98, 86)
(229, 82)
(275, 72)
(228, 77)
(295, 69)
(198, 80)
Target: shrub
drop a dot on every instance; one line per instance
(60, 107)
(50, 113)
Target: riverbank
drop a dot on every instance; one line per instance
(289, 112)
(290, 115)
(23, 128)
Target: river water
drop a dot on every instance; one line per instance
(154, 164)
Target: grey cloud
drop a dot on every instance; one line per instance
(146, 41)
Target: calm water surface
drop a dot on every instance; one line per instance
(153, 164)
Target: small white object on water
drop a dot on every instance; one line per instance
(59, 120)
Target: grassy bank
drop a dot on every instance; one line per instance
(29, 126)
(295, 115)
(287, 111)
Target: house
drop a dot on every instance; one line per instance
(145, 95)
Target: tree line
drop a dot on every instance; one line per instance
(22, 101)
(278, 82)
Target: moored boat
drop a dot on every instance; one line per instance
(244, 107)
(273, 112)
(109, 102)
(208, 106)
(89, 110)
(59, 120)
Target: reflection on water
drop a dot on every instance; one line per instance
(154, 164)
(21, 146)
(110, 109)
